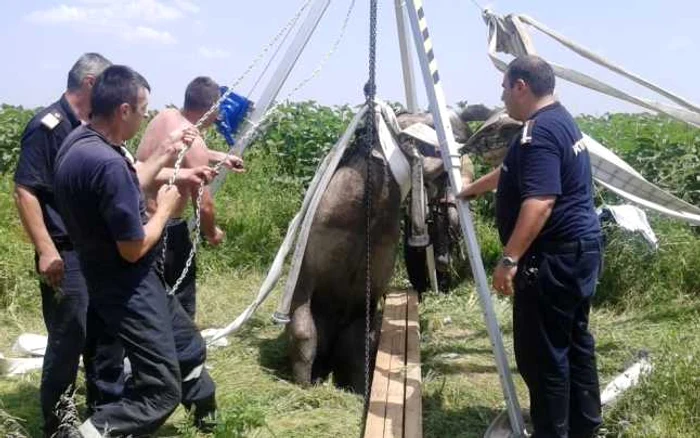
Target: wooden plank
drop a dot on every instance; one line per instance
(395, 409)
(413, 410)
(393, 426)
(374, 424)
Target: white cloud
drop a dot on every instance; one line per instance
(213, 53)
(60, 14)
(99, 11)
(143, 33)
(132, 20)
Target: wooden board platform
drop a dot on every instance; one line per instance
(395, 399)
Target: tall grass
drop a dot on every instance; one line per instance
(666, 403)
(18, 282)
(635, 275)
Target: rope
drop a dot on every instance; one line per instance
(248, 135)
(370, 93)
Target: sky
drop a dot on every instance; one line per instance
(172, 41)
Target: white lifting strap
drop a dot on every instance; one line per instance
(509, 35)
(423, 133)
(399, 165)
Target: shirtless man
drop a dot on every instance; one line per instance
(200, 95)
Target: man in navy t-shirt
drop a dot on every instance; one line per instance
(64, 294)
(552, 252)
(99, 196)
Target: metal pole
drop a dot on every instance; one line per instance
(278, 79)
(406, 59)
(451, 157)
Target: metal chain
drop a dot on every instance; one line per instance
(249, 134)
(370, 93)
(181, 154)
(215, 106)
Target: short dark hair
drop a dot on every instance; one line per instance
(534, 71)
(116, 85)
(201, 94)
(88, 64)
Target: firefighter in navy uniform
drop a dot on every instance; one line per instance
(63, 290)
(98, 191)
(552, 253)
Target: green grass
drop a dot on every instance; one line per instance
(461, 392)
(647, 301)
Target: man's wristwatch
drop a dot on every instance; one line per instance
(508, 262)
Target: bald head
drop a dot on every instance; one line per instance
(535, 72)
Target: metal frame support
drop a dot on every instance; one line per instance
(278, 79)
(406, 59)
(412, 106)
(451, 159)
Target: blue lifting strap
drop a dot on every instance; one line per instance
(232, 111)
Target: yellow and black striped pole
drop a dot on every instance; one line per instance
(451, 159)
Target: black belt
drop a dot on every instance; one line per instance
(573, 246)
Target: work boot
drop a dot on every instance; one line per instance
(205, 415)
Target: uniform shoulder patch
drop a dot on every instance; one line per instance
(527, 132)
(51, 120)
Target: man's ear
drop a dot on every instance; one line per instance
(89, 81)
(124, 111)
(520, 85)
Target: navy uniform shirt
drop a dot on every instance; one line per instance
(553, 163)
(98, 194)
(40, 142)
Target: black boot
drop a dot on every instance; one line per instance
(205, 414)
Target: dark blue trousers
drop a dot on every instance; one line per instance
(554, 350)
(176, 254)
(72, 331)
(165, 349)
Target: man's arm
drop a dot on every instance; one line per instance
(215, 156)
(186, 177)
(198, 155)
(118, 204)
(33, 173)
(540, 184)
(486, 183)
(148, 170)
(212, 233)
(231, 162)
(29, 209)
(133, 250)
(534, 213)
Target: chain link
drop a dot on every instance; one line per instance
(181, 154)
(370, 94)
(249, 134)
